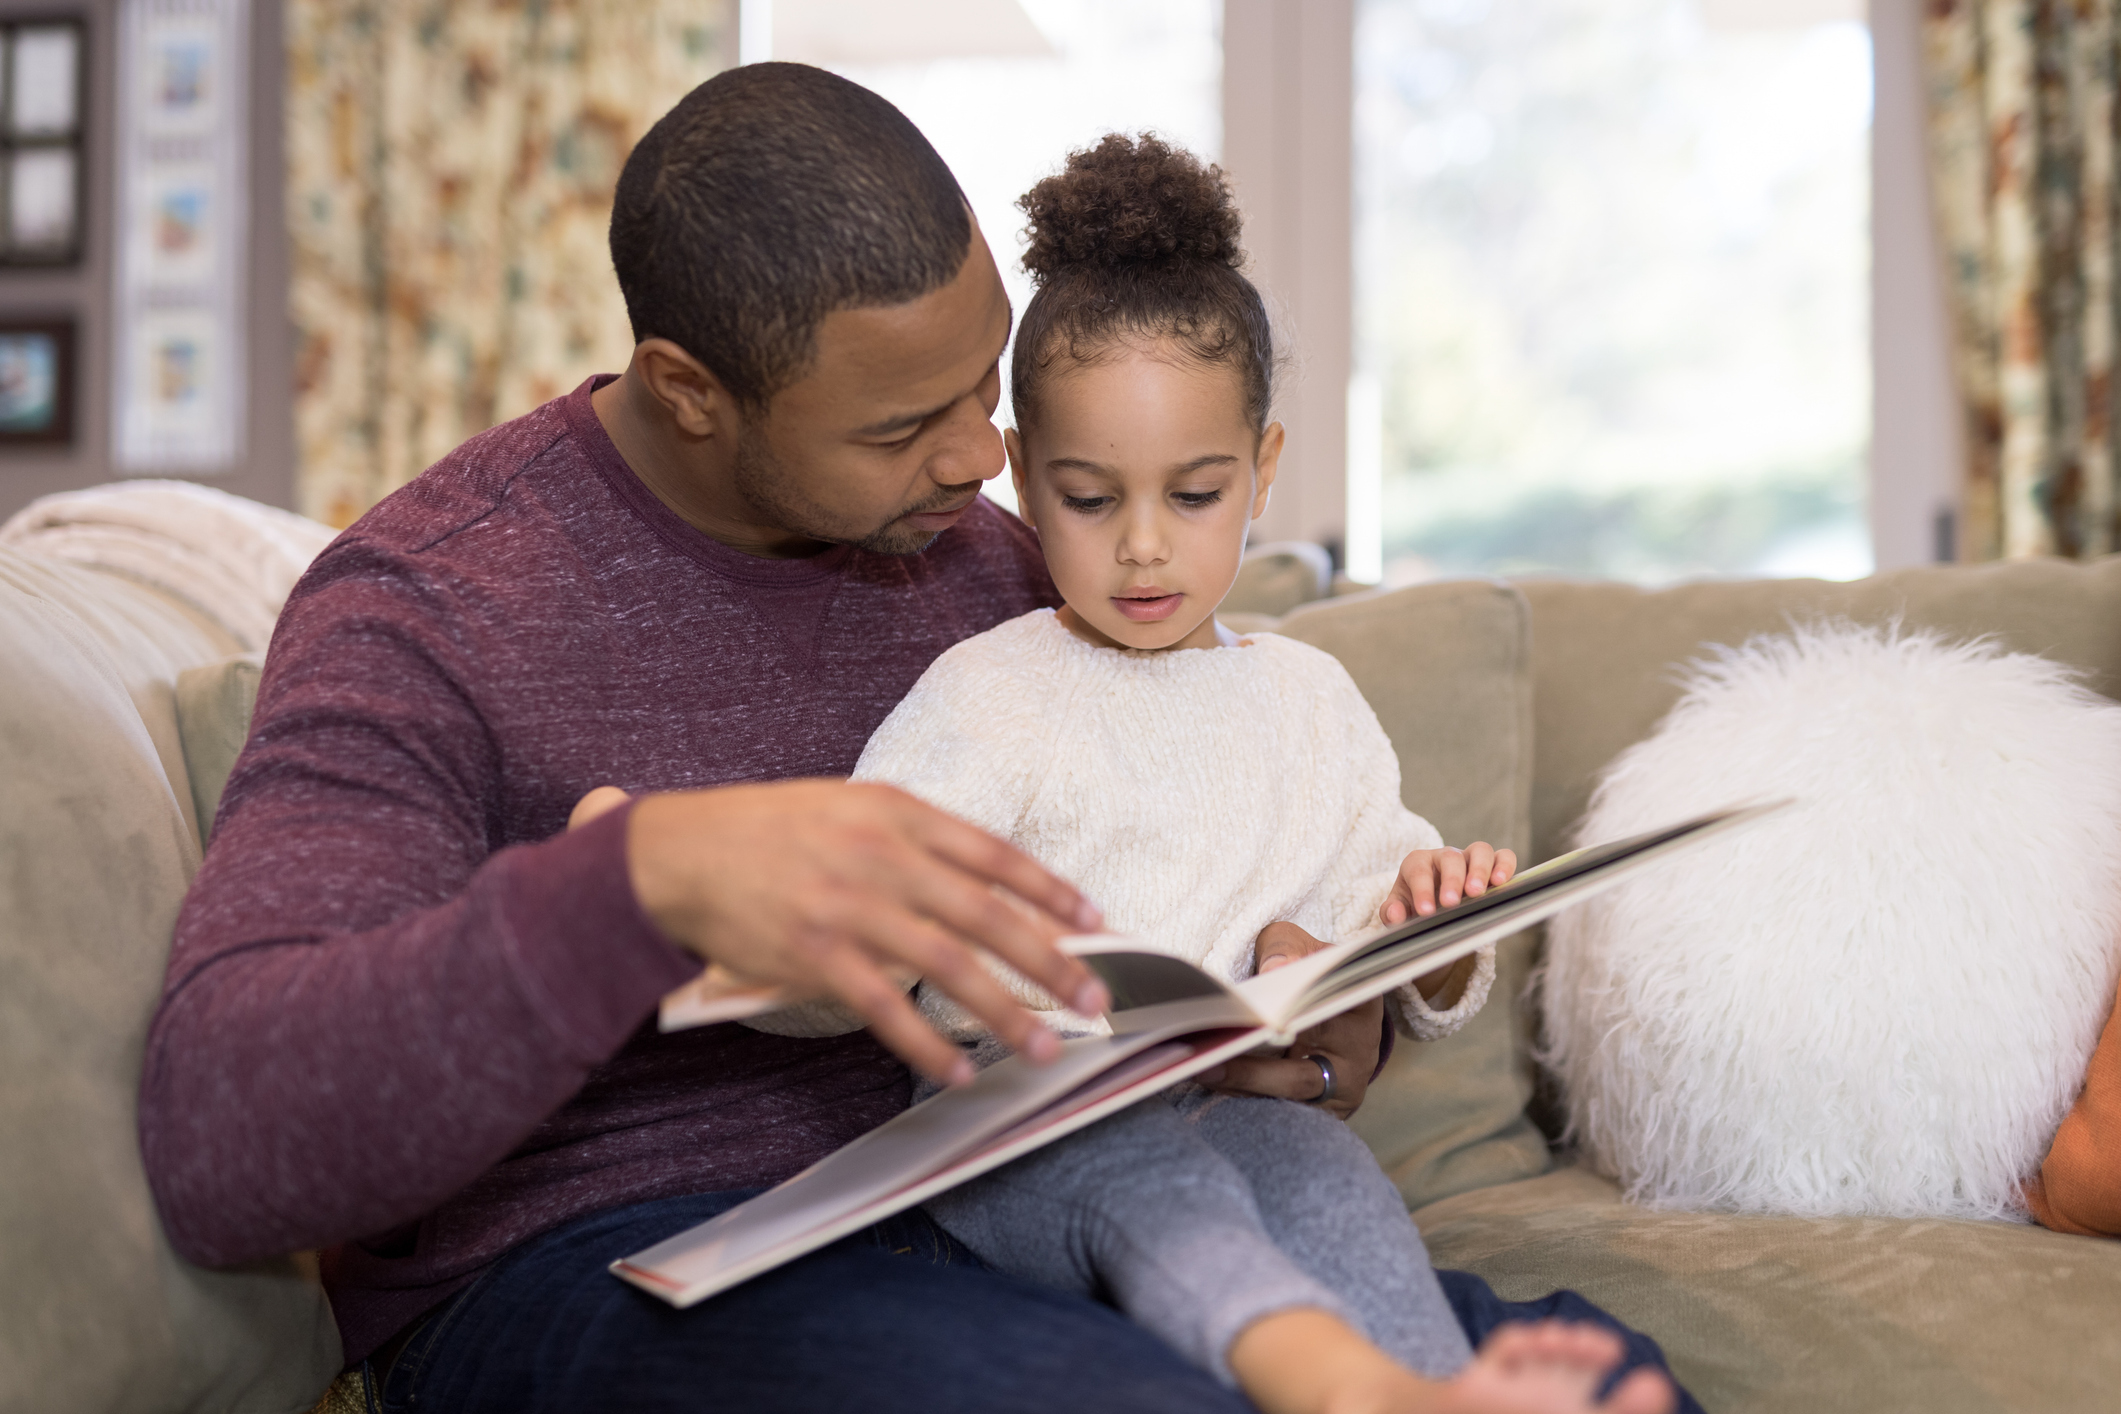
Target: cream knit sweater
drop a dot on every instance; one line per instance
(1196, 796)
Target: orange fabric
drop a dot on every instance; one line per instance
(2079, 1186)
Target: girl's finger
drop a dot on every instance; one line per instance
(1505, 865)
(1480, 858)
(1419, 875)
(993, 861)
(1451, 878)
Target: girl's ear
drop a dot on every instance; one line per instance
(1014, 445)
(1264, 463)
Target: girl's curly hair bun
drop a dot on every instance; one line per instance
(1130, 203)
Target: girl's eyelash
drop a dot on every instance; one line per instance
(1085, 503)
(1197, 499)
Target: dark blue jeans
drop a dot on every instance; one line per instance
(899, 1318)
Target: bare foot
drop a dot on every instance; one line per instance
(1554, 1367)
(1308, 1362)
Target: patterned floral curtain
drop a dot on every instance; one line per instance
(2022, 114)
(450, 173)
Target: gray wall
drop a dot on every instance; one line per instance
(267, 469)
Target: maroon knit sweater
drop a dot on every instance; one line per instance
(406, 1016)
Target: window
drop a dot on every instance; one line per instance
(1611, 277)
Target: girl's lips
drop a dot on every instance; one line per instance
(1148, 611)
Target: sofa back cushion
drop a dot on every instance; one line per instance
(1447, 669)
(97, 845)
(214, 704)
(1604, 656)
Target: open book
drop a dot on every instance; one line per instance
(1169, 1021)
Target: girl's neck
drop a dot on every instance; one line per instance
(1209, 634)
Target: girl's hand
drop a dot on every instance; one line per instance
(1439, 878)
(1349, 1042)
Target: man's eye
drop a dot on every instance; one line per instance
(1196, 499)
(1086, 503)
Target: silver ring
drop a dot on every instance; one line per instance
(1327, 1080)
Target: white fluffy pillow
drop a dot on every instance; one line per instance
(1881, 1000)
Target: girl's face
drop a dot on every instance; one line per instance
(1141, 479)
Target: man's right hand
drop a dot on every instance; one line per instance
(823, 887)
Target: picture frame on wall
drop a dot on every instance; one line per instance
(180, 208)
(43, 164)
(36, 382)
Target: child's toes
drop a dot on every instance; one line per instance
(1642, 1392)
(1565, 1344)
(1591, 1347)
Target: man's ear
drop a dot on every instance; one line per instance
(698, 405)
(1265, 462)
(1014, 445)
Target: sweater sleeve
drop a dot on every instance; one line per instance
(366, 1004)
(1381, 834)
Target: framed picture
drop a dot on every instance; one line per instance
(181, 142)
(36, 382)
(43, 68)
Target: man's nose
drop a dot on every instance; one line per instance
(970, 448)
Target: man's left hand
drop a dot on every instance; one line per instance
(1349, 1042)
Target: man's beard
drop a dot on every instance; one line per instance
(775, 498)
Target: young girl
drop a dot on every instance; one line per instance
(1201, 788)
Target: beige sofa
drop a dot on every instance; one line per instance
(121, 710)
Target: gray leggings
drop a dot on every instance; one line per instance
(1197, 1214)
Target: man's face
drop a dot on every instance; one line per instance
(884, 440)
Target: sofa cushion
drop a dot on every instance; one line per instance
(214, 702)
(1603, 654)
(97, 846)
(1446, 668)
(1762, 1314)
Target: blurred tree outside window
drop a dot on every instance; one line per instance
(1612, 265)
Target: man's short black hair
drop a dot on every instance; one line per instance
(772, 195)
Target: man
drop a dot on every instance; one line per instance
(409, 1015)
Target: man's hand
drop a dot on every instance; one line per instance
(1349, 1041)
(1433, 878)
(824, 886)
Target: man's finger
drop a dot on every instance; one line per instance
(1294, 1079)
(1024, 940)
(601, 801)
(1281, 1078)
(895, 1020)
(1282, 943)
(949, 964)
(997, 862)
